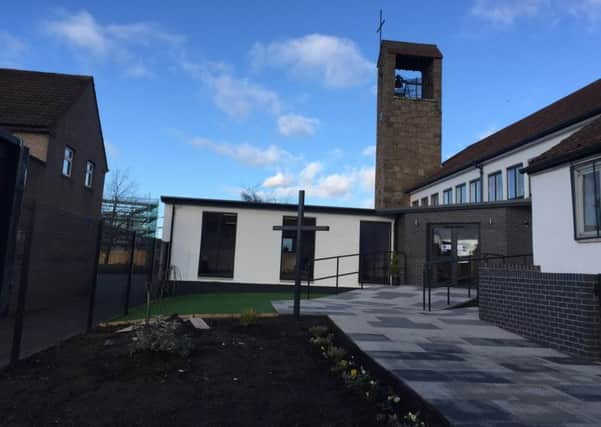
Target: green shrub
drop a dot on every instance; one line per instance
(162, 336)
(324, 342)
(318, 330)
(336, 354)
(248, 317)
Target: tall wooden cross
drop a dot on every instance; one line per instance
(299, 228)
(380, 26)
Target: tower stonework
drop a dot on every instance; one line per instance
(409, 116)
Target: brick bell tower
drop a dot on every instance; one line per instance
(409, 116)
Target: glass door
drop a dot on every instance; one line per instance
(449, 244)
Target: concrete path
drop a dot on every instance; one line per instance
(474, 373)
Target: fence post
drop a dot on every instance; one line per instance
(337, 271)
(95, 277)
(22, 296)
(132, 251)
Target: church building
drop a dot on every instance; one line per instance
(532, 188)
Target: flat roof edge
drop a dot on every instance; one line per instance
(457, 207)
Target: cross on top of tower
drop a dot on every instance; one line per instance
(380, 25)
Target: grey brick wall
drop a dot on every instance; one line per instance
(558, 310)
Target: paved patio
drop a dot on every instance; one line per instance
(474, 373)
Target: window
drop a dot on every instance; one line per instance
(89, 176)
(434, 199)
(415, 203)
(461, 193)
(288, 259)
(495, 186)
(424, 201)
(515, 182)
(476, 191)
(218, 244)
(586, 184)
(447, 196)
(68, 161)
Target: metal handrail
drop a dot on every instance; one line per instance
(474, 276)
(338, 274)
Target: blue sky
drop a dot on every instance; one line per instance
(205, 98)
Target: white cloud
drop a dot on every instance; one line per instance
(505, 12)
(367, 178)
(277, 180)
(11, 49)
(245, 153)
(336, 62)
(112, 42)
(309, 172)
(370, 150)
(239, 97)
(297, 125)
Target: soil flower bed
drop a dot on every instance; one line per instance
(265, 374)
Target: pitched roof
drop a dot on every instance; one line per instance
(578, 106)
(585, 142)
(35, 100)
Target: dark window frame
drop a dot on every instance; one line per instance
(424, 199)
(464, 187)
(448, 191)
(307, 221)
(477, 199)
(415, 203)
(433, 197)
(228, 274)
(574, 168)
(495, 174)
(515, 168)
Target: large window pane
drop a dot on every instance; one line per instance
(515, 182)
(475, 191)
(589, 200)
(288, 259)
(587, 197)
(495, 187)
(218, 243)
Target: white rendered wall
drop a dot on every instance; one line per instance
(555, 249)
(258, 247)
(499, 163)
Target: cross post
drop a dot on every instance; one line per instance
(299, 228)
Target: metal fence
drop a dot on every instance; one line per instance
(61, 284)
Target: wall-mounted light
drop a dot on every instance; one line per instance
(491, 221)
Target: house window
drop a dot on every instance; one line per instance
(476, 191)
(461, 193)
(447, 196)
(89, 177)
(288, 259)
(434, 199)
(495, 186)
(68, 161)
(218, 244)
(515, 182)
(587, 200)
(424, 201)
(415, 203)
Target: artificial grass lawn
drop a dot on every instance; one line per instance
(225, 303)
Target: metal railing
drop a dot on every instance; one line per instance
(461, 272)
(385, 264)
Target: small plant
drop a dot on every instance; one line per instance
(324, 342)
(395, 269)
(248, 317)
(412, 420)
(163, 335)
(336, 354)
(318, 330)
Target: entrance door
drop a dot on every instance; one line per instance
(449, 244)
(374, 249)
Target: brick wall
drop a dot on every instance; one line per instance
(558, 310)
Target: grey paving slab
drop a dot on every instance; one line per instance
(473, 372)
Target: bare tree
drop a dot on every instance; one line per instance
(251, 195)
(119, 189)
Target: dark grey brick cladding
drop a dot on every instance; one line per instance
(503, 230)
(558, 310)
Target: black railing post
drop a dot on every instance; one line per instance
(424, 280)
(94, 277)
(337, 271)
(130, 275)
